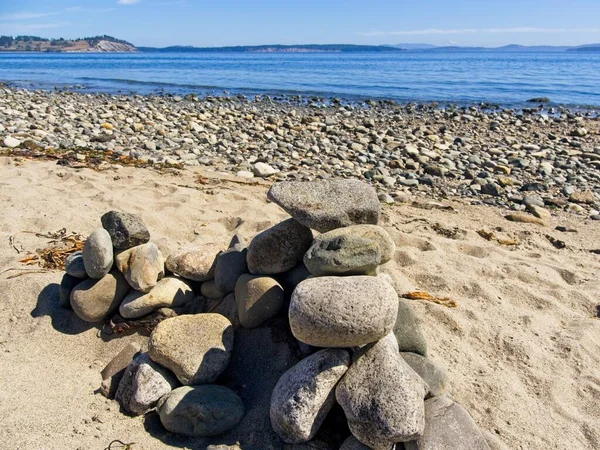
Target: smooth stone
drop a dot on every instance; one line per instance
(279, 248)
(95, 300)
(196, 347)
(354, 444)
(408, 330)
(230, 265)
(263, 170)
(382, 396)
(75, 266)
(342, 311)
(200, 411)
(258, 299)
(539, 212)
(210, 290)
(143, 384)
(226, 307)
(170, 292)
(370, 232)
(126, 230)
(525, 218)
(325, 205)
(143, 266)
(448, 426)
(343, 255)
(98, 254)
(11, 142)
(293, 277)
(196, 263)
(113, 372)
(67, 284)
(433, 375)
(305, 393)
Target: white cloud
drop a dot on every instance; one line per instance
(25, 15)
(128, 2)
(436, 31)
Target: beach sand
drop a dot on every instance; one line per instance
(522, 349)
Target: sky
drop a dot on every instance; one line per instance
(205, 23)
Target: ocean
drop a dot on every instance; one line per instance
(504, 78)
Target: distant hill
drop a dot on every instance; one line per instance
(336, 48)
(586, 48)
(410, 46)
(505, 48)
(101, 44)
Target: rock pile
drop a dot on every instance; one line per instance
(363, 347)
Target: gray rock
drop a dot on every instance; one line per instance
(258, 298)
(343, 255)
(67, 284)
(98, 254)
(230, 265)
(371, 232)
(142, 266)
(225, 306)
(293, 277)
(75, 266)
(113, 372)
(354, 444)
(433, 375)
(328, 204)
(408, 330)
(143, 384)
(210, 290)
(382, 396)
(263, 170)
(342, 311)
(126, 230)
(196, 347)
(196, 263)
(200, 411)
(95, 300)
(11, 142)
(305, 393)
(448, 426)
(170, 292)
(279, 248)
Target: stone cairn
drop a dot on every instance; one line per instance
(366, 351)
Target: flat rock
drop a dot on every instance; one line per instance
(263, 170)
(196, 347)
(75, 266)
(170, 292)
(448, 426)
(143, 384)
(343, 255)
(196, 263)
(142, 266)
(325, 205)
(95, 300)
(126, 230)
(279, 248)
(200, 411)
(305, 393)
(230, 265)
(433, 375)
(258, 298)
(525, 218)
(382, 397)
(371, 232)
(342, 311)
(408, 330)
(11, 142)
(98, 254)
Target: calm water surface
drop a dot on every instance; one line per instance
(505, 78)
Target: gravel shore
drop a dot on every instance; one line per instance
(534, 158)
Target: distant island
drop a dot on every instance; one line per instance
(109, 44)
(96, 44)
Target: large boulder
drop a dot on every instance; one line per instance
(126, 230)
(448, 426)
(142, 266)
(196, 347)
(143, 384)
(258, 298)
(382, 396)
(342, 311)
(200, 411)
(95, 300)
(170, 292)
(343, 255)
(230, 265)
(433, 375)
(371, 232)
(196, 263)
(98, 254)
(328, 204)
(305, 393)
(279, 248)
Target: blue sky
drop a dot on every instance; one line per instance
(236, 22)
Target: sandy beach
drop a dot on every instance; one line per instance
(521, 349)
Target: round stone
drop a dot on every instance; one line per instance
(432, 374)
(170, 292)
(95, 300)
(142, 266)
(196, 347)
(371, 232)
(98, 254)
(195, 263)
(342, 311)
(258, 299)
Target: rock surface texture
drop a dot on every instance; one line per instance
(98, 254)
(196, 263)
(95, 300)
(170, 292)
(143, 266)
(126, 230)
